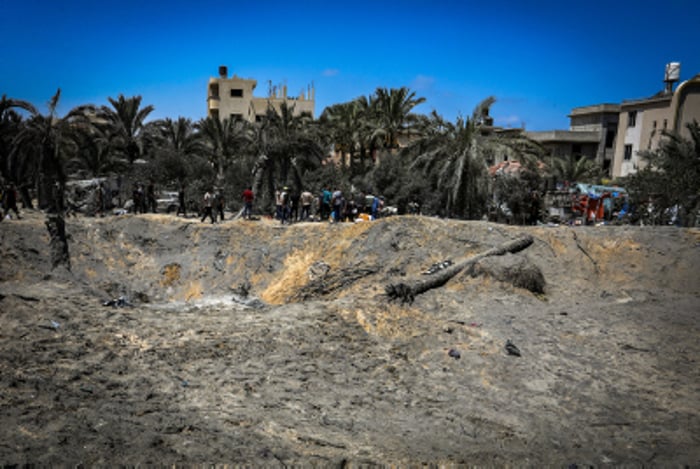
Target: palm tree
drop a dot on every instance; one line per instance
(574, 168)
(124, 123)
(177, 136)
(11, 122)
(52, 139)
(289, 145)
(93, 155)
(342, 122)
(455, 155)
(223, 141)
(177, 145)
(393, 112)
(672, 178)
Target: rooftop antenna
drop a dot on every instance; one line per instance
(672, 75)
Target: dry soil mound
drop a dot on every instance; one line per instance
(255, 343)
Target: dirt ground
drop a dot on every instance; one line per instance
(248, 342)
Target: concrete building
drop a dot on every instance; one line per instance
(615, 135)
(591, 134)
(643, 122)
(233, 98)
(603, 120)
(562, 143)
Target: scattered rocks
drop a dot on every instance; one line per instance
(512, 349)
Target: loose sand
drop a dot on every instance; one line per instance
(316, 366)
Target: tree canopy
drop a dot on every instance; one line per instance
(671, 180)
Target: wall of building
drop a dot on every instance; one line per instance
(260, 105)
(686, 105)
(627, 135)
(222, 103)
(670, 112)
(238, 104)
(653, 117)
(585, 123)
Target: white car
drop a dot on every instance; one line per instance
(168, 201)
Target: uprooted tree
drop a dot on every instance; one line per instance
(407, 291)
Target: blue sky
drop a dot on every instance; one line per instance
(538, 58)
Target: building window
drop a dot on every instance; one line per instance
(235, 116)
(628, 152)
(576, 149)
(609, 138)
(631, 118)
(654, 125)
(214, 90)
(236, 93)
(665, 124)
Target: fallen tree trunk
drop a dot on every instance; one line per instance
(407, 291)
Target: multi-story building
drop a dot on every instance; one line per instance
(591, 134)
(616, 135)
(233, 98)
(643, 122)
(602, 120)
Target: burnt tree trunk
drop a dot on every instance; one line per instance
(407, 291)
(56, 226)
(58, 243)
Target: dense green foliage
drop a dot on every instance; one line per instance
(375, 144)
(667, 190)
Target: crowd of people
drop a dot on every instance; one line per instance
(333, 206)
(291, 206)
(144, 200)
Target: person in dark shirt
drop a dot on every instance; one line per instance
(10, 200)
(181, 201)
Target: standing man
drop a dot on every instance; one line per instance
(220, 203)
(151, 191)
(338, 202)
(284, 201)
(181, 201)
(294, 198)
(248, 198)
(307, 198)
(10, 199)
(325, 203)
(278, 204)
(207, 205)
(142, 199)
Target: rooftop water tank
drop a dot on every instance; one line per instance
(673, 71)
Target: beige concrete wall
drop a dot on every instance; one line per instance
(618, 158)
(686, 105)
(671, 114)
(224, 103)
(644, 136)
(248, 106)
